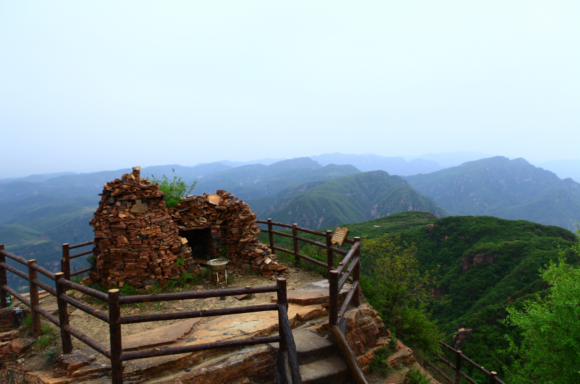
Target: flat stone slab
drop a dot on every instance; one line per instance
(315, 293)
(163, 335)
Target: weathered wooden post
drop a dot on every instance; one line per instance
(356, 273)
(3, 279)
(282, 300)
(115, 337)
(65, 262)
(62, 313)
(329, 253)
(271, 235)
(458, 361)
(296, 245)
(34, 300)
(333, 299)
(492, 376)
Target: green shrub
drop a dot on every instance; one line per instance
(175, 189)
(127, 290)
(50, 355)
(42, 342)
(179, 262)
(27, 321)
(379, 362)
(45, 329)
(414, 376)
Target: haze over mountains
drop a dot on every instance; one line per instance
(40, 212)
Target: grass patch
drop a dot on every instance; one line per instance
(414, 376)
(45, 329)
(43, 341)
(379, 362)
(50, 355)
(27, 321)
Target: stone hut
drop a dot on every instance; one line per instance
(222, 225)
(136, 240)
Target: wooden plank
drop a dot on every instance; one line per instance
(81, 244)
(357, 373)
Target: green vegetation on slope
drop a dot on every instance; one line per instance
(486, 265)
(348, 199)
(510, 189)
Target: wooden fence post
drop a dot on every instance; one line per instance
(65, 262)
(458, 361)
(329, 253)
(492, 376)
(356, 273)
(296, 245)
(282, 300)
(271, 235)
(3, 279)
(115, 337)
(34, 300)
(333, 299)
(63, 314)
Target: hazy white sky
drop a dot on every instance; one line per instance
(93, 85)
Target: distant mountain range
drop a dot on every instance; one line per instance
(347, 199)
(510, 189)
(370, 162)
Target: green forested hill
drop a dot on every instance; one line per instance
(348, 199)
(486, 264)
(256, 180)
(497, 186)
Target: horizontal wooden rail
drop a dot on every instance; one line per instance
(80, 272)
(47, 315)
(195, 295)
(21, 260)
(88, 341)
(198, 347)
(89, 291)
(438, 370)
(347, 258)
(194, 314)
(282, 250)
(317, 262)
(15, 271)
(85, 308)
(45, 272)
(310, 231)
(321, 245)
(281, 234)
(339, 251)
(81, 244)
(16, 294)
(474, 364)
(46, 287)
(347, 300)
(80, 254)
(346, 275)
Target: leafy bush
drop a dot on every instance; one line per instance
(27, 321)
(127, 290)
(550, 327)
(379, 362)
(43, 341)
(50, 355)
(414, 376)
(175, 189)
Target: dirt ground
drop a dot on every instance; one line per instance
(35, 359)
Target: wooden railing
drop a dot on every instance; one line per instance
(348, 270)
(459, 374)
(287, 356)
(67, 257)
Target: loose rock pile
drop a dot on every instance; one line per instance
(136, 240)
(11, 345)
(233, 227)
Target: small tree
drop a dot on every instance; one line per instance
(175, 190)
(550, 326)
(400, 291)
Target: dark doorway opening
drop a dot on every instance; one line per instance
(199, 240)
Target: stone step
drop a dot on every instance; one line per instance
(332, 370)
(310, 347)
